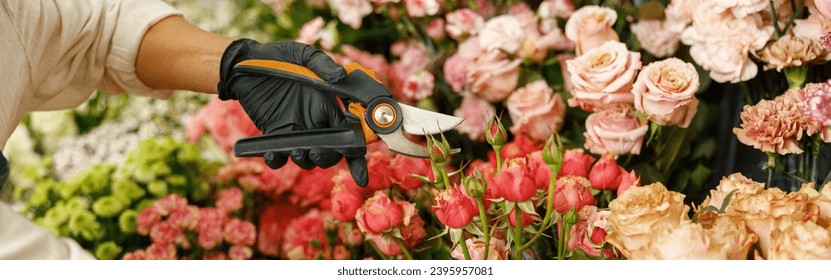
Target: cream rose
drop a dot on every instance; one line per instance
(493, 76)
(536, 111)
(731, 235)
(686, 241)
(602, 77)
(590, 27)
(665, 91)
(639, 212)
(771, 210)
(801, 241)
(743, 186)
(616, 131)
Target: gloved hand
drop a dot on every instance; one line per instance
(278, 105)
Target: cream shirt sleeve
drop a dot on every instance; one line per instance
(55, 53)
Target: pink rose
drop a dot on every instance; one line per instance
(435, 29)
(615, 130)
(591, 27)
(463, 22)
(493, 76)
(148, 218)
(412, 233)
(498, 249)
(589, 233)
(419, 85)
(239, 232)
(165, 233)
(375, 62)
(380, 172)
(514, 183)
(536, 111)
(572, 192)
(351, 12)
(605, 174)
(404, 167)
(310, 32)
(350, 234)
(455, 72)
(501, 34)
(627, 181)
(665, 91)
(563, 59)
(453, 208)
(602, 77)
(576, 162)
(225, 121)
(238, 252)
(476, 112)
(230, 199)
(420, 8)
(380, 214)
(314, 186)
(346, 198)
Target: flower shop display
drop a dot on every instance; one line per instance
(592, 130)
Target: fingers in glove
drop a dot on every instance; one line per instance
(357, 167)
(306, 55)
(324, 157)
(275, 160)
(301, 158)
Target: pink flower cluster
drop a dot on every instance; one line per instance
(171, 224)
(225, 121)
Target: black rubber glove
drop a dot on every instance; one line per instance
(278, 105)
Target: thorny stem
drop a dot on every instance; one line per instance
(484, 217)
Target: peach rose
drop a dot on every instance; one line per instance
(665, 91)
(514, 182)
(638, 212)
(501, 33)
(743, 186)
(576, 162)
(616, 131)
(571, 192)
(453, 208)
(801, 241)
(730, 233)
(536, 111)
(687, 241)
(602, 78)
(498, 249)
(493, 76)
(822, 199)
(381, 214)
(590, 27)
(476, 112)
(658, 37)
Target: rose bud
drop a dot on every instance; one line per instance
(346, 198)
(552, 152)
(571, 192)
(577, 163)
(475, 184)
(379, 214)
(514, 183)
(453, 208)
(404, 167)
(627, 180)
(496, 134)
(605, 174)
(439, 150)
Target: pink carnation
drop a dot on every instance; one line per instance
(238, 252)
(187, 218)
(230, 199)
(239, 232)
(818, 103)
(170, 203)
(148, 217)
(419, 86)
(310, 32)
(463, 22)
(225, 121)
(165, 233)
(420, 8)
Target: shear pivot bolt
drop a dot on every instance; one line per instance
(384, 115)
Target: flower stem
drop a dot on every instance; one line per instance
(498, 150)
(403, 248)
(377, 250)
(484, 217)
(517, 233)
(465, 250)
(771, 164)
(776, 27)
(549, 206)
(817, 149)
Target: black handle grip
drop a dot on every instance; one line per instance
(347, 141)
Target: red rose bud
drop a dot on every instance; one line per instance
(514, 183)
(572, 192)
(453, 208)
(439, 150)
(526, 218)
(552, 152)
(496, 134)
(577, 163)
(627, 181)
(605, 174)
(346, 198)
(404, 167)
(379, 214)
(474, 185)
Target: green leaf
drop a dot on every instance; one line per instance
(474, 229)
(456, 235)
(699, 177)
(726, 201)
(681, 181)
(705, 150)
(508, 207)
(527, 207)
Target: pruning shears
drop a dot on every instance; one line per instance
(372, 112)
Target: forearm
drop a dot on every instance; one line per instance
(175, 54)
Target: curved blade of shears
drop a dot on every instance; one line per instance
(397, 142)
(423, 122)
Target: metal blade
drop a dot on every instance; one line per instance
(423, 122)
(397, 142)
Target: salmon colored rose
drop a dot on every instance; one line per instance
(665, 92)
(454, 208)
(514, 182)
(606, 174)
(381, 214)
(347, 197)
(590, 27)
(576, 162)
(498, 249)
(536, 111)
(615, 131)
(602, 78)
(493, 76)
(571, 192)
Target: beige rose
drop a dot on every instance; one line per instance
(773, 209)
(590, 27)
(536, 111)
(743, 186)
(615, 130)
(639, 212)
(731, 235)
(686, 241)
(822, 199)
(665, 91)
(602, 77)
(493, 76)
(801, 241)
(658, 37)
(791, 51)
